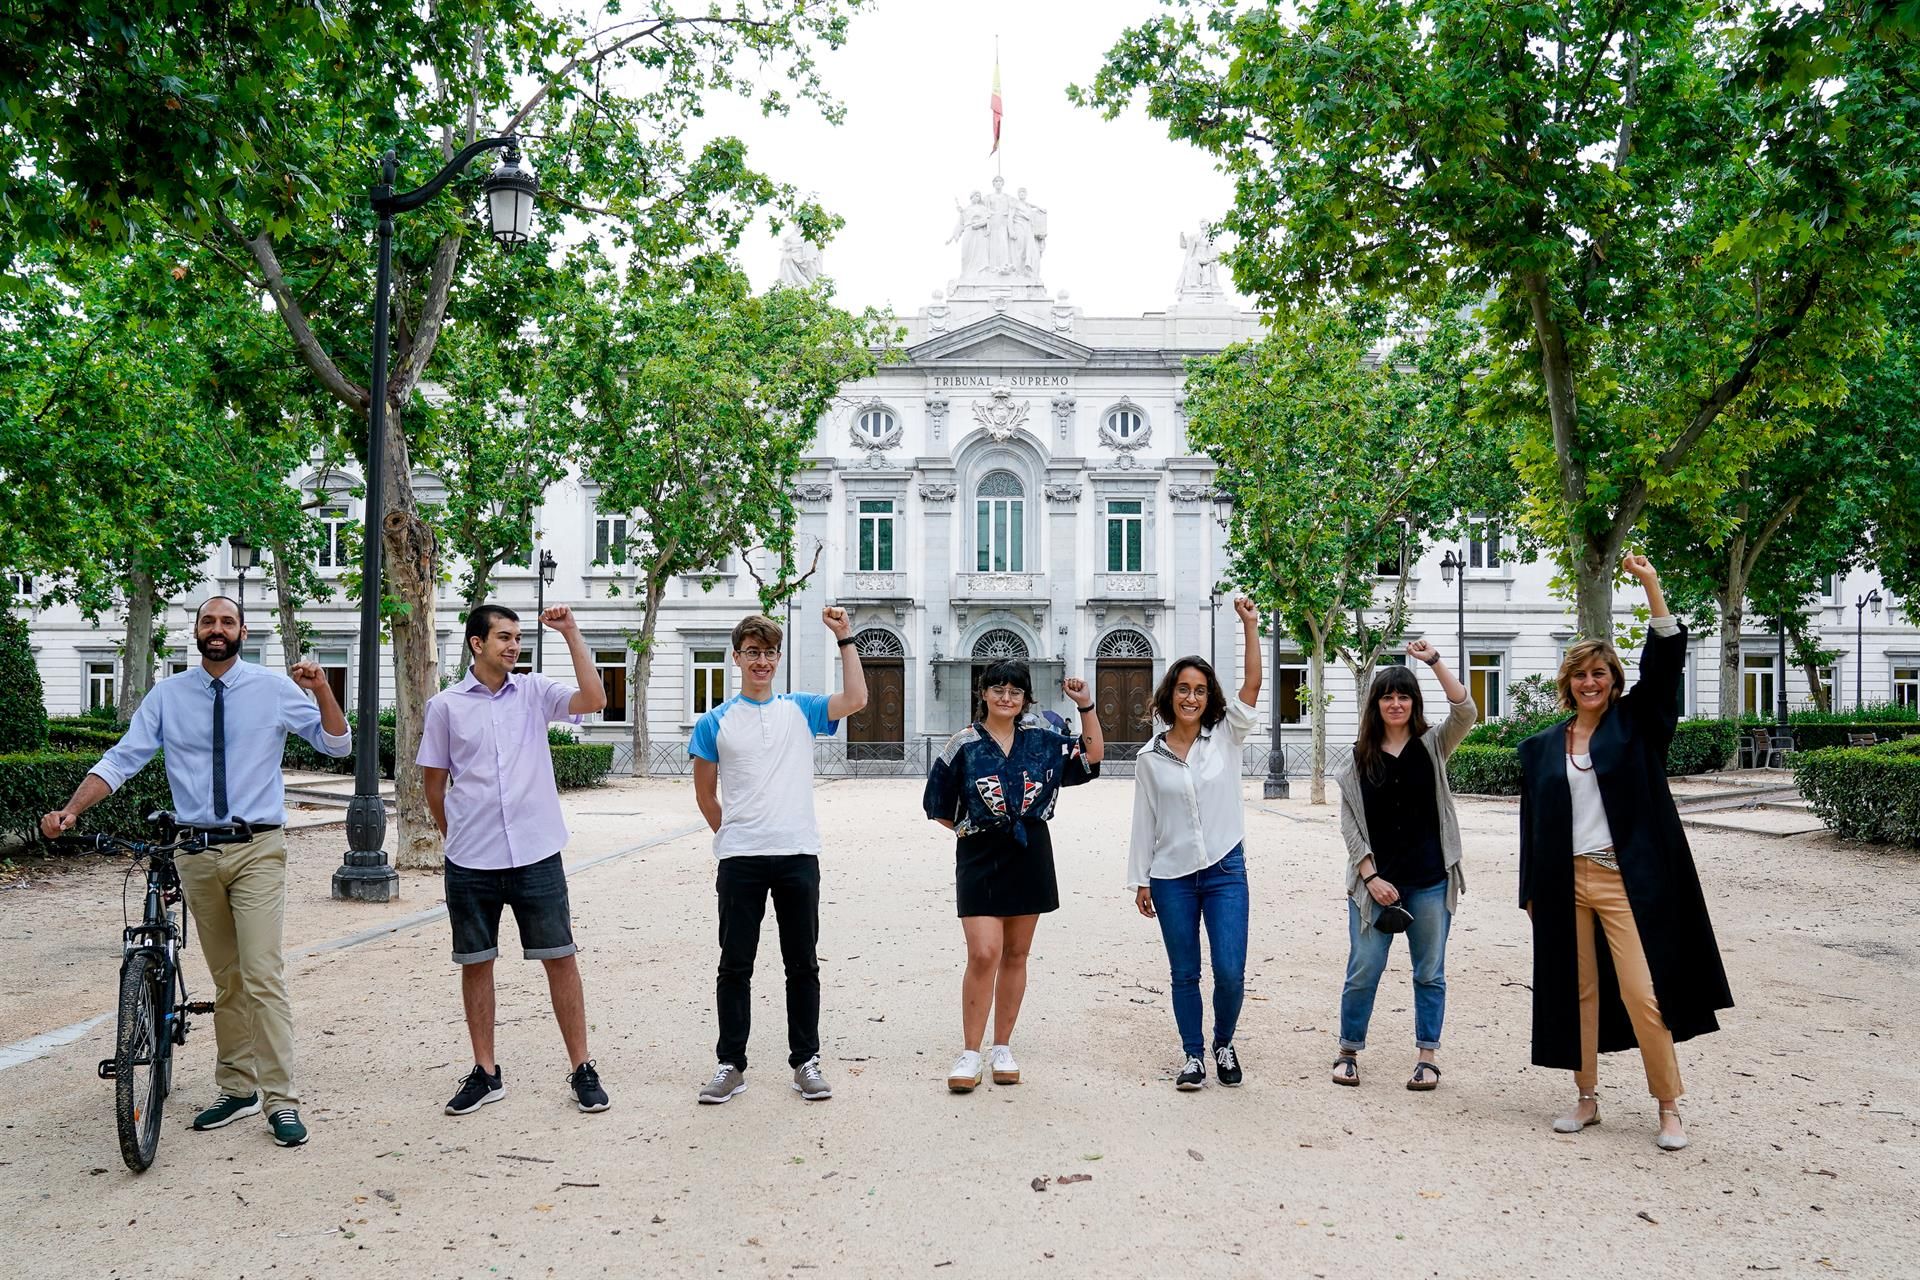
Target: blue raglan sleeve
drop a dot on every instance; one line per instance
(705, 743)
(815, 707)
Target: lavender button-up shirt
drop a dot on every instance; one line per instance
(503, 809)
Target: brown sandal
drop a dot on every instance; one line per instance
(1419, 1083)
(1351, 1076)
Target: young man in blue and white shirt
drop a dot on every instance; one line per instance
(753, 779)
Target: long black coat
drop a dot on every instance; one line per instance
(1629, 750)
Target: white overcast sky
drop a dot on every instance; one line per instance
(915, 76)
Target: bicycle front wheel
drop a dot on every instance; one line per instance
(140, 1058)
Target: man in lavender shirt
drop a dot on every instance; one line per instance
(489, 778)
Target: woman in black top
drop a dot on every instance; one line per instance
(1403, 855)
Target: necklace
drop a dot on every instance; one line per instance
(1583, 768)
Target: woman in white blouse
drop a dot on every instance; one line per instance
(1186, 863)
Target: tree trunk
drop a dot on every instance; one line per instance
(1593, 591)
(411, 575)
(136, 656)
(1732, 599)
(643, 675)
(293, 642)
(1316, 675)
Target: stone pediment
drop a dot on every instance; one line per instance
(1000, 340)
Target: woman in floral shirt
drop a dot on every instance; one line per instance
(994, 787)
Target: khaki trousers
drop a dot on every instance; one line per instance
(1598, 892)
(238, 896)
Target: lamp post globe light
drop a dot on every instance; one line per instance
(365, 875)
(1859, 651)
(245, 557)
(548, 567)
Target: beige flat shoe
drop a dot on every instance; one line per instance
(1670, 1142)
(1571, 1121)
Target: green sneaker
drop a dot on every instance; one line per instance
(227, 1110)
(287, 1129)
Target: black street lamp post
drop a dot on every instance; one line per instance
(1277, 785)
(365, 875)
(548, 567)
(1780, 693)
(1859, 649)
(245, 557)
(1451, 564)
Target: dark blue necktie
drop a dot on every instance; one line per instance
(219, 749)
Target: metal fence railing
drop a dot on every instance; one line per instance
(838, 758)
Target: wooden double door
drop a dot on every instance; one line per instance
(878, 731)
(1123, 697)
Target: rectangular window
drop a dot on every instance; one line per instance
(709, 679)
(1758, 690)
(101, 685)
(1485, 684)
(1125, 532)
(1396, 564)
(1483, 543)
(876, 535)
(22, 587)
(1686, 666)
(1001, 535)
(1906, 687)
(334, 551)
(612, 665)
(1829, 586)
(333, 664)
(609, 539)
(1291, 689)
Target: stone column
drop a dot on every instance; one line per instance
(1192, 509)
(806, 642)
(1065, 587)
(932, 586)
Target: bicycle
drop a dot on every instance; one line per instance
(153, 1006)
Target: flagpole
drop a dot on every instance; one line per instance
(998, 159)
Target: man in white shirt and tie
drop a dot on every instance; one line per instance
(224, 726)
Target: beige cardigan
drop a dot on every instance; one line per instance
(1439, 742)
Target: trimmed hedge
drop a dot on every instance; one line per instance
(67, 737)
(1865, 793)
(1479, 770)
(581, 764)
(1701, 745)
(32, 783)
(1814, 737)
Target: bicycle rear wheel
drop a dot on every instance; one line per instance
(140, 1057)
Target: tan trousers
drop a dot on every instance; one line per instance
(1598, 892)
(238, 896)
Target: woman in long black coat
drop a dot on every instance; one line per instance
(1603, 856)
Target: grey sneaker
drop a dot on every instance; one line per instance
(809, 1083)
(727, 1081)
(226, 1111)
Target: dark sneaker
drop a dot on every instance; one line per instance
(727, 1081)
(1192, 1076)
(585, 1082)
(227, 1110)
(287, 1129)
(809, 1083)
(1229, 1063)
(477, 1090)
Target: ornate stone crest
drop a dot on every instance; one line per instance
(1067, 494)
(935, 492)
(1126, 430)
(811, 491)
(875, 430)
(1001, 415)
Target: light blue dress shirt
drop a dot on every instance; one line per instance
(262, 708)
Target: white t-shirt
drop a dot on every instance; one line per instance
(765, 754)
(1187, 816)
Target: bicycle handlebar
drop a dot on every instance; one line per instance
(176, 839)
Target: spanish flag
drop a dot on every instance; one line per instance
(996, 104)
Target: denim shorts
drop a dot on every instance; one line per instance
(537, 893)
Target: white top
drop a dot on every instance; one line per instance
(1186, 814)
(1590, 830)
(764, 751)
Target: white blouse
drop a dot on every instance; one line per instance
(1187, 815)
(1591, 834)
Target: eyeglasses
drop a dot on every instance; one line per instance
(758, 655)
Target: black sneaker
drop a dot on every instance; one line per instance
(226, 1111)
(477, 1090)
(586, 1087)
(287, 1129)
(1229, 1063)
(1192, 1076)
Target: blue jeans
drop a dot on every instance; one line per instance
(1367, 959)
(1219, 895)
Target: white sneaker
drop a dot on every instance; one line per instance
(1005, 1069)
(967, 1072)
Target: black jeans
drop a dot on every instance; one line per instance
(742, 885)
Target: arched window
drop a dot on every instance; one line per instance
(1000, 516)
(878, 642)
(1124, 644)
(999, 643)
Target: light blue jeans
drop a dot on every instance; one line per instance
(1218, 895)
(1367, 960)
